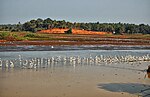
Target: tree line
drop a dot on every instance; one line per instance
(40, 24)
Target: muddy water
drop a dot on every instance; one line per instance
(122, 79)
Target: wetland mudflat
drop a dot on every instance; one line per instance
(73, 78)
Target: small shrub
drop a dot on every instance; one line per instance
(68, 31)
(30, 35)
(4, 35)
(16, 37)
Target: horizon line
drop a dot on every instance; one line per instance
(71, 21)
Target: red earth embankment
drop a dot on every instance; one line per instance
(74, 31)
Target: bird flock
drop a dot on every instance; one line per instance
(21, 62)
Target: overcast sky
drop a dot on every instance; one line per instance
(104, 11)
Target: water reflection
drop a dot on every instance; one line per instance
(132, 88)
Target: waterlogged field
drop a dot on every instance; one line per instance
(75, 73)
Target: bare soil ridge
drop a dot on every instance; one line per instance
(74, 31)
(58, 37)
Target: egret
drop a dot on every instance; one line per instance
(1, 62)
(12, 64)
(52, 47)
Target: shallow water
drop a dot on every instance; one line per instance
(73, 47)
(69, 79)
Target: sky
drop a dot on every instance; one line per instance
(103, 11)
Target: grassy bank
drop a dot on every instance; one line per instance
(19, 36)
(28, 38)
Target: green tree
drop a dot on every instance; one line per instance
(68, 31)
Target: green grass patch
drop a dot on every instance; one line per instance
(31, 35)
(4, 35)
(15, 36)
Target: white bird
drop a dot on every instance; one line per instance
(12, 64)
(6, 65)
(25, 63)
(1, 62)
(52, 46)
